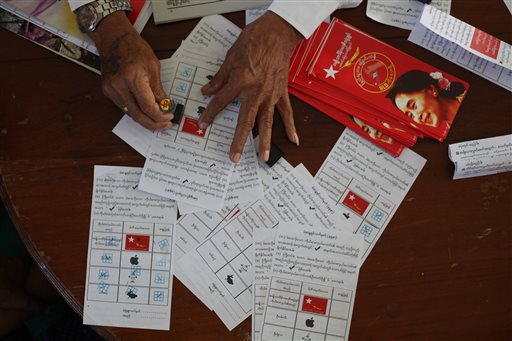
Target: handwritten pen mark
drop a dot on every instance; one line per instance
(311, 208)
(135, 187)
(349, 161)
(112, 208)
(291, 267)
(346, 215)
(212, 165)
(409, 10)
(275, 177)
(379, 153)
(184, 181)
(317, 248)
(280, 205)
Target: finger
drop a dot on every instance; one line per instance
(265, 120)
(124, 98)
(285, 110)
(218, 81)
(156, 85)
(246, 118)
(225, 96)
(159, 92)
(145, 98)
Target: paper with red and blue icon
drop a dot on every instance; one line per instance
(312, 283)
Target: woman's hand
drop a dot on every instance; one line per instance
(130, 71)
(256, 71)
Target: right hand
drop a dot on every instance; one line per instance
(256, 71)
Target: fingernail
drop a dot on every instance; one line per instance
(296, 138)
(235, 157)
(265, 155)
(203, 125)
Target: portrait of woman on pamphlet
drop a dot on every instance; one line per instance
(373, 133)
(429, 99)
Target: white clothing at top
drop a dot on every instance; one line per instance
(306, 15)
(303, 15)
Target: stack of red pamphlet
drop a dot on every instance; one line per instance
(375, 89)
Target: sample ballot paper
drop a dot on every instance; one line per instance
(368, 183)
(312, 284)
(190, 164)
(129, 263)
(221, 267)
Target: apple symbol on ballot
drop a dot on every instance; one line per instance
(310, 322)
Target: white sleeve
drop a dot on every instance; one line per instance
(74, 4)
(305, 16)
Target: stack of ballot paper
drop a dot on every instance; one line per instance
(274, 242)
(376, 90)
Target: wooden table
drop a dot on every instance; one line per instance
(442, 269)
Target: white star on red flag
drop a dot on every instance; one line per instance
(330, 72)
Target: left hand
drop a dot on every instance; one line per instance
(130, 72)
(256, 71)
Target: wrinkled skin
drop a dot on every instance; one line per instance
(256, 71)
(130, 72)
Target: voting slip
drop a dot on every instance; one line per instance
(479, 53)
(401, 13)
(312, 286)
(213, 34)
(481, 157)
(192, 229)
(131, 253)
(221, 267)
(190, 164)
(367, 184)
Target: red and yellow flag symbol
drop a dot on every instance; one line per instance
(137, 242)
(317, 305)
(191, 126)
(355, 202)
